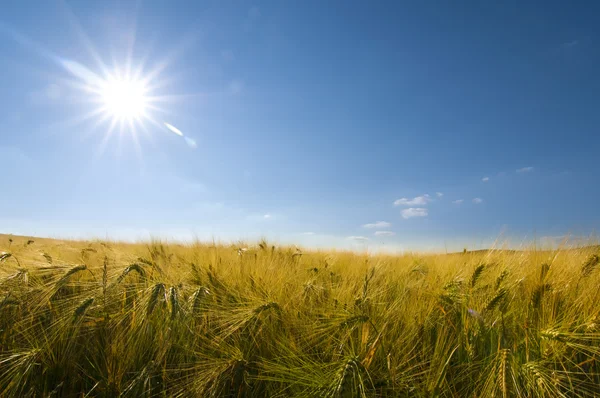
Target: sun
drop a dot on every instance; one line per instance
(124, 98)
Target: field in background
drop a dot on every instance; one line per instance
(108, 319)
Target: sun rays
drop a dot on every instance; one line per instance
(123, 93)
(122, 101)
(119, 101)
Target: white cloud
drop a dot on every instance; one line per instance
(525, 169)
(485, 179)
(477, 200)
(307, 233)
(262, 217)
(416, 201)
(378, 224)
(457, 201)
(384, 233)
(358, 238)
(414, 212)
(439, 194)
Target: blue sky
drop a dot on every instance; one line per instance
(304, 122)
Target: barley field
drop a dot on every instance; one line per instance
(108, 319)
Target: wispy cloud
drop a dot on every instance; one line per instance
(439, 194)
(307, 233)
(525, 169)
(458, 201)
(384, 233)
(485, 179)
(378, 224)
(416, 201)
(263, 217)
(477, 200)
(358, 238)
(414, 212)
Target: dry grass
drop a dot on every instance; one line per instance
(110, 319)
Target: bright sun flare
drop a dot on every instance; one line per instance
(124, 99)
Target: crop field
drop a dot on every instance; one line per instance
(107, 319)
